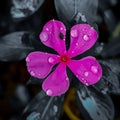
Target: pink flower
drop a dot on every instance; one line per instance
(87, 70)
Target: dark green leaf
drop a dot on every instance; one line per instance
(47, 108)
(110, 81)
(94, 105)
(12, 47)
(25, 8)
(76, 10)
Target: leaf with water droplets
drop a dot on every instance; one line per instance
(94, 105)
(13, 47)
(76, 10)
(44, 107)
(24, 8)
(110, 81)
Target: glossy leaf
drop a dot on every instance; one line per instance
(12, 47)
(24, 8)
(94, 105)
(110, 81)
(44, 107)
(76, 10)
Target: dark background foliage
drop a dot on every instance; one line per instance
(20, 25)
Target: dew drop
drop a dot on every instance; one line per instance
(77, 76)
(49, 92)
(86, 37)
(51, 60)
(39, 74)
(27, 59)
(72, 51)
(61, 28)
(32, 73)
(86, 84)
(92, 28)
(47, 29)
(86, 73)
(74, 33)
(67, 78)
(94, 69)
(76, 44)
(83, 79)
(44, 36)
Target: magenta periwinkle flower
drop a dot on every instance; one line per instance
(87, 70)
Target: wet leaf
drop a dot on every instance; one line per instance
(76, 10)
(94, 105)
(112, 48)
(46, 108)
(24, 8)
(110, 81)
(12, 47)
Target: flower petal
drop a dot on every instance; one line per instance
(83, 37)
(53, 35)
(57, 83)
(87, 70)
(39, 64)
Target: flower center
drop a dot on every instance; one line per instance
(64, 58)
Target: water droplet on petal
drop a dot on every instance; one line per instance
(49, 92)
(86, 37)
(85, 81)
(77, 76)
(44, 36)
(72, 51)
(39, 74)
(76, 44)
(92, 28)
(86, 84)
(47, 29)
(94, 69)
(27, 59)
(83, 78)
(32, 73)
(74, 33)
(61, 28)
(86, 73)
(67, 78)
(51, 60)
